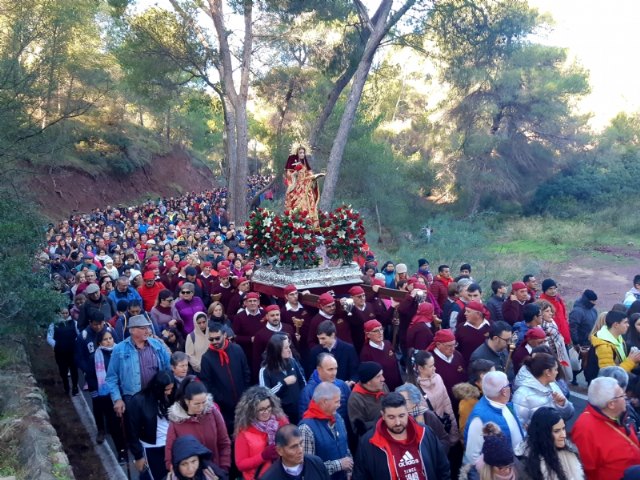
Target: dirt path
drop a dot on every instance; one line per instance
(608, 271)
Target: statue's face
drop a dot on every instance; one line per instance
(301, 153)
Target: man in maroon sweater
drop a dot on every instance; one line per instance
(327, 305)
(361, 313)
(237, 299)
(448, 361)
(379, 350)
(223, 291)
(272, 326)
(474, 331)
(294, 314)
(247, 323)
(512, 306)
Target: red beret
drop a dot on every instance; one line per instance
(272, 308)
(476, 306)
(247, 267)
(241, 280)
(153, 258)
(535, 333)
(223, 273)
(289, 289)
(251, 295)
(371, 325)
(357, 290)
(153, 266)
(169, 263)
(207, 264)
(419, 286)
(518, 286)
(183, 264)
(377, 281)
(442, 336)
(224, 264)
(412, 281)
(326, 299)
(148, 276)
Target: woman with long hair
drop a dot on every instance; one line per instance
(632, 337)
(161, 313)
(556, 340)
(283, 375)
(216, 314)
(547, 453)
(258, 417)
(422, 373)
(148, 416)
(539, 389)
(194, 413)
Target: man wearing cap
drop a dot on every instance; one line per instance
(423, 272)
(377, 349)
(134, 362)
(294, 314)
(582, 318)
(95, 301)
(361, 313)
(223, 290)
(474, 331)
(533, 338)
(448, 361)
(187, 306)
(236, 302)
(365, 398)
(272, 326)
(512, 306)
(496, 348)
(209, 279)
(399, 448)
(609, 345)
(327, 306)
(124, 291)
(550, 294)
(150, 290)
(248, 322)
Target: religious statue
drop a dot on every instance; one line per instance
(302, 192)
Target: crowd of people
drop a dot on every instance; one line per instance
(199, 376)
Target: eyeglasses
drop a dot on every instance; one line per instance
(508, 385)
(449, 345)
(186, 292)
(265, 409)
(377, 330)
(505, 340)
(624, 395)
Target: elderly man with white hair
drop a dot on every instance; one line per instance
(606, 444)
(494, 406)
(324, 432)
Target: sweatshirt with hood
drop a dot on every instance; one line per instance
(196, 344)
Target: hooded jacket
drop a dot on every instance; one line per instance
(208, 428)
(189, 446)
(608, 352)
(581, 321)
(532, 394)
(196, 344)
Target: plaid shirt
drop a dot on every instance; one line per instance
(309, 443)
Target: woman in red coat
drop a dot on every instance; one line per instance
(196, 414)
(258, 417)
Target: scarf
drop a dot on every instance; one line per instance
(270, 427)
(360, 389)
(315, 412)
(101, 371)
(222, 354)
(480, 465)
(165, 310)
(425, 384)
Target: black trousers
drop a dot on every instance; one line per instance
(66, 364)
(107, 420)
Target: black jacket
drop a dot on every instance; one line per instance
(142, 415)
(226, 382)
(313, 469)
(581, 321)
(371, 461)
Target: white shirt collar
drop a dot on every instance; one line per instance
(290, 308)
(376, 346)
(528, 347)
(293, 471)
(272, 328)
(325, 315)
(442, 356)
(484, 322)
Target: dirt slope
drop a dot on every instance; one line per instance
(66, 190)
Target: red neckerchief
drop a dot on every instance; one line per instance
(360, 389)
(224, 358)
(315, 412)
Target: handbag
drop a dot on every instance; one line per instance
(574, 360)
(445, 418)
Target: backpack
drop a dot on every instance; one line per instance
(591, 368)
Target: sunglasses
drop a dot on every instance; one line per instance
(186, 292)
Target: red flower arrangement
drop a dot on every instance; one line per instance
(344, 233)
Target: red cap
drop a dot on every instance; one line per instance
(182, 264)
(289, 289)
(535, 333)
(371, 325)
(153, 258)
(152, 266)
(412, 281)
(251, 295)
(419, 286)
(247, 267)
(357, 290)
(241, 280)
(271, 308)
(518, 286)
(476, 306)
(169, 263)
(207, 264)
(224, 264)
(377, 281)
(224, 273)
(149, 276)
(441, 336)
(326, 299)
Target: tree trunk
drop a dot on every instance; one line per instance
(349, 114)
